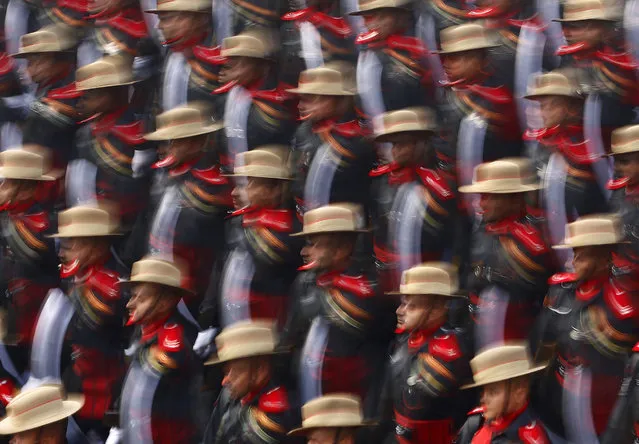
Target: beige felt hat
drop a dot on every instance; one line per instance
(245, 339)
(38, 407)
(553, 84)
(254, 43)
(625, 140)
(323, 81)
(52, 38)
(409, 120)
(109, 71)
(334, 218)
(156, 270)
(190, 120)
(580, 10)
(203, 6)
(504, 176)
(501, 363)
(268, 162)
(365, 6)
(596, 229)
(18, 163)
(466, 37)
(82, 221)
(338, 410)
(430, 278)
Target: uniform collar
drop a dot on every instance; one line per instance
(417, 338)
(252, 395)
(500, 424)
(151, 329)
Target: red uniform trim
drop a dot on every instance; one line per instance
(131, 134)
(212, 56)
(211, 175)
(6, 64)
(37, 222)
(620, 301)
(477, 411)
(617, 184)
(171, 338)
(435, 182)
(533, 433)
(131, 22)
(277, 220)
(274, 401)
(358, 285)
(445, 347)
(560, 278)
(336, 25)
(66, 92)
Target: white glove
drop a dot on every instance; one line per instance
(205, 343)
(115, 436)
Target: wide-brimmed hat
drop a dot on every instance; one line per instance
(254, 43)
(107, 72)
(18, 163)
(50, 39)
(625, 140)
(592, 230)
(268, 162)
(157, 270)
(38, 407)
(334, 218)
(430, 278)
(467, 37)
(553, 84)
(323, 81)
(418, 121)
(184, 121)
(504, 176)
(365, 6)
(337, 410)
(84, 221)
(502, 363)
(202, 6)
(245, 339)
(581, 10)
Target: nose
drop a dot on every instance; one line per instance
(226, 380)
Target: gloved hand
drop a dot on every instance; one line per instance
(115, 436)
(205, 343)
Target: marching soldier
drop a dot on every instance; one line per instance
(504, 374)
(262, 267)
(430, 358)
(52, 120)
(254, 406)
(119, 27)
(589, 324)
(510, 259)
(162, 351)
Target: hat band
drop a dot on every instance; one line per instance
(20, 172)
(332, 224)
(245, 349)
(426, 288)
(333, 418)
(262, 170)
(593, 238)
(503, 370)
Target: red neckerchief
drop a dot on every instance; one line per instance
(505, 225)
(396, 41)
(588, 289)
(270, 218)
(182, 168)
(16, 208)
(150, 330)
(349, 128)
(88, 271)
(326, 279)
(181, 46)
(500, 424)
(102, 124)
(250, 396)
(337, 25)
(401, 175)
(417, 338)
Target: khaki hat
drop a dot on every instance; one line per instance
(334, 218)
(430, 278)
(580, 10)
(257, 44)
(598, 229)
(245, 339)
(625, 140)
(553, 84)
(38, 407)
(268, 162)
(155, 270)
(184, 121)
(502, 363)
(419, 121)
(18, 163)
(106, 72)
(338, 410)
(203, 6)
(504, 176)
(82, 221)
(467, 37)
(323, 81)
(365, 6)
(52, 38)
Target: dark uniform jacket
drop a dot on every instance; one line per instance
(446, 13)
(519, 427)
(625, 202)
(120, 33)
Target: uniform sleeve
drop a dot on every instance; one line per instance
(440, 369)
(556, 303)
(350, 304)
(170, 354)
(27, 237)
(269, 420)
(468, 430)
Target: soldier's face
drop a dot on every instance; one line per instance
(94, 102)
(178, 26)
(83, 250)
(554, 110)
(463, 65)
(184, 150)
(243, 70)
(493, 399)
(41, 67)
(49, 434)
(328, 436)
(384, 21)
(627, 165)
(316, 108)
(239, 195)
(588, 31)
(496, 207)
(238, 377)
(411, 313)
(12, 190)
(588, 262)
(142, 305)
(263, 193)
(404, 149)
(319, 250)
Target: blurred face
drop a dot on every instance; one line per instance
(405, 149)
(588, 31)
(263, 193)
(41, 67)
(94, 102)
(12, 190)
(321, 251)
(588, 262)
(49, 434)
(627, 165)
(496, 207)
(554, 110)
(180, 26)
(239, 195)
(411, 313)
(316, 108)
(238, 377)
(184, 150)
(243, 70)
(143, 303)
(463, 65)
(81, 252)
(493, 399)
(384, 21)
(328, 435)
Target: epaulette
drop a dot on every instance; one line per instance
(477, 411)
(621, 60)
(498, 94)
(562, 278)
(358, 285)
(6, 64)
(412, 45)
(635, 349)
(620, 301)
(533, 433)
(274, 401)
(277, 95)
(212, 176)
(577, 152)
(349, 129)
(37, 222)
(170, 338)
(381, 170)
(336, 25)
(76, 5)
(530, 237)
(65, 93)
(445, 347)
(277, 220)
(106, 282)
(435, 182)
(131, 134)
(130, 23)
(7, 391)
(617, 184)
(212, 56)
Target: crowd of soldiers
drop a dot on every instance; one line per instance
(331, 221)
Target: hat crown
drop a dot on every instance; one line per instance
(20, 159)
(107, 71)
(321, 75)
(418, 117)
(625, 139)
(553, 83)
(595, 225)
(432, 273)
(500, 363)
(151, 266)
(190, 114)
(36, 403)
(246, 338)
(270, 161)
(334, 404)
(367, 5)
(465, 37)
(334, 217)
(586, 9)
(252, 43)
(505, 169)
(184, 5)
(87, 216)
(52, 38)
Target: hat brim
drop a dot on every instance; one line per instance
(302, 91)
(505, 378)
(539, 96)
(621, 153)
(132, 282)
(43, 178)
(302, 233)
(448, 295)
(69, 236)
(477, 189)
(261, 176)
(164, 134)
(71, 405)
(455, 51)
(385, 137)
(304, 430)
(198, 11)
(563, 20)
(132, 82)
(590, 244)
(377, 8)
(19, 55)
(216, 361)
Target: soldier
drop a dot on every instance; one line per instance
(332, 154)
(331, 419)
(588, 326)
(118, 27)
(95, 333)
(262, 267)
(254, 406)
(163, 349)
(53, 118)
(504, 416)
(40, 414)
(430, 357)
(29, 261)
(510, 259)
